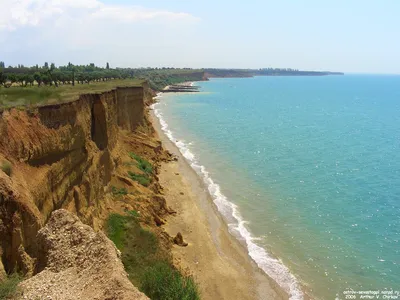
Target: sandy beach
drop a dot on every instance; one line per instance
(219, 263)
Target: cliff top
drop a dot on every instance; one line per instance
(17, 96)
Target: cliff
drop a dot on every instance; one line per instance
(70, 156)
(243, 73)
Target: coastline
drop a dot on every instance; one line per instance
(220, 264)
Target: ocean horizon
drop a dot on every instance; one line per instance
(305, 171)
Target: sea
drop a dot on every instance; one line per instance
(305, 171)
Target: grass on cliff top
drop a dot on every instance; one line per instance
(148, 265)
(23, 96)
(8, 288)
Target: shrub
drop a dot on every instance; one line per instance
(142, 164)
(147, 264)
(117, 192)
(143, 179)
(6, 167)
(116, 228)
(134, 213)
(8, 288)
(162, 281)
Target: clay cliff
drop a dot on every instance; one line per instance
(69, 156)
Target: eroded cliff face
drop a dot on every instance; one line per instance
(65, 156)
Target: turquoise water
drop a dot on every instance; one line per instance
(306, 171)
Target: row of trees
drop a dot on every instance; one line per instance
(52, 75)
(49, 74)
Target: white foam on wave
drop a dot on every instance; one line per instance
(273, 267)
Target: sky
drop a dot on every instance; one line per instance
(350, 36)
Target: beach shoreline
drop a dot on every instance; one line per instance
(219, 262)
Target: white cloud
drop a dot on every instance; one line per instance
(15, 14)
(83, 31)
(133, 14)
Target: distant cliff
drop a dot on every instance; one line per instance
(242, 73)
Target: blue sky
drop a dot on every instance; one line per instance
(350, 36)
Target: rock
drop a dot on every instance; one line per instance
(178, 240)
(75, 262)
(125, 180)
(171, 211)
(25, 262)
(158, 220)
(182, 193)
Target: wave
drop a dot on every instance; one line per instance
(273, 267)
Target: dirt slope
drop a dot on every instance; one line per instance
(76, 263)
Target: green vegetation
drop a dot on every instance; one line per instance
(148, 265)
(145, 166)
(19, 96)
(52, 75)
(116, 228)
(119, 192)
(142, 164)
(162, 282)
(159, 78)
(8, 288)
(6, 167)
(143, 179)
(20, 85)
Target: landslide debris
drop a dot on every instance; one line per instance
(75, 262)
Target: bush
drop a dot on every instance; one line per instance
(147, 264)
(162, 281)
(117, 192)
(142, 164)
(143, 179)
(8, 288)
(6, 167)
(115, 229)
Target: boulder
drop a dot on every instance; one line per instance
(178, 240)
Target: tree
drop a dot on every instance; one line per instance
(38, 77)
(20, 78)
(3, 78)
(46, 65)
(79, 77)
(73, 76)
(46, 79)
(29, 79)
(107, 66)
(50, 75)
(2, 65)
(12, 78)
